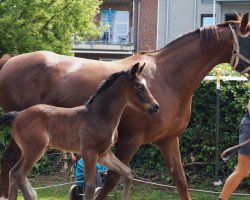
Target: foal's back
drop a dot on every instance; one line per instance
(44, 126)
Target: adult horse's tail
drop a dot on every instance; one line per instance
(4, 59)
(7, 117)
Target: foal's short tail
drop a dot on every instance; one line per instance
(7, 117)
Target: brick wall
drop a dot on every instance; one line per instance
(148, 25)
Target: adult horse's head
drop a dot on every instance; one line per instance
(240, 60)
(137, 93)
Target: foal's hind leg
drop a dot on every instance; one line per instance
(19, 174)
(114, 164)
(13, 188)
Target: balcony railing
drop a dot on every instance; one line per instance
(112, 36)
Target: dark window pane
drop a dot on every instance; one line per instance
(230, 16)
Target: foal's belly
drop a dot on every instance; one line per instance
(65, 142)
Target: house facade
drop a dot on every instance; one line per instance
(176, 17)
(145, 25)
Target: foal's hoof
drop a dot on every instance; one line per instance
(97, 191)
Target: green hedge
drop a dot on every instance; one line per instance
(199, 138)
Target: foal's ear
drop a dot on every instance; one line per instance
(141, 68)
(134, 69)
(244, 28)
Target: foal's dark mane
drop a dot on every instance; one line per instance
(105, 85)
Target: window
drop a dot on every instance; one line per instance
(118, 23)
(230, 16)
(206, 20)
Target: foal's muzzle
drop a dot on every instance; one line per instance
(154, 108)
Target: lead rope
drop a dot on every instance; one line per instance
(232, 149)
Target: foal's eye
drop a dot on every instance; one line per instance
(140, 86)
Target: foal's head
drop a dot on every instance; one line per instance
(137, 93)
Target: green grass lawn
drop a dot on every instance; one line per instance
(139, 192)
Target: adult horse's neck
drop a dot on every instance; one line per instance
(186, 61)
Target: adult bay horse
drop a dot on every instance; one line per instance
(89, 130)
(173, 73)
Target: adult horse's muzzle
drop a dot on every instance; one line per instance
(154, 108)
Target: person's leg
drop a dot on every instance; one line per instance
(242, 171)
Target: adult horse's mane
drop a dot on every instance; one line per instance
(209, 37)
(105, 85)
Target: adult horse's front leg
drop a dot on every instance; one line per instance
(9, 159)
(125, 150)
(171, 153)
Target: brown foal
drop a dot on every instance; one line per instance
(89, 130)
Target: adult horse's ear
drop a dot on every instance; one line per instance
(244, 28)
(134, 69)
(141, 68)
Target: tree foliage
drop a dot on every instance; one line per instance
(30, 25)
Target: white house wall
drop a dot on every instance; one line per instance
(183, 16)
(230, 8)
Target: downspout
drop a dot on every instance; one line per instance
(214, 11)
(158, 21)
(167, 24)
(133, 24)
(195, 14)
(138, 24)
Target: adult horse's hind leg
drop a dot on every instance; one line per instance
(9, 159)
(171, 153)
(114, 164)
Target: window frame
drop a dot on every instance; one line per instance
(203, 16)
(207, 1)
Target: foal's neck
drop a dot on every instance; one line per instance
(109, 105)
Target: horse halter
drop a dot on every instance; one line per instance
(236, 55)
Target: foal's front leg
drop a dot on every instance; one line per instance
(114, 164)
(90, 160)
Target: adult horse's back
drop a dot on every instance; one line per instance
(173, 73)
